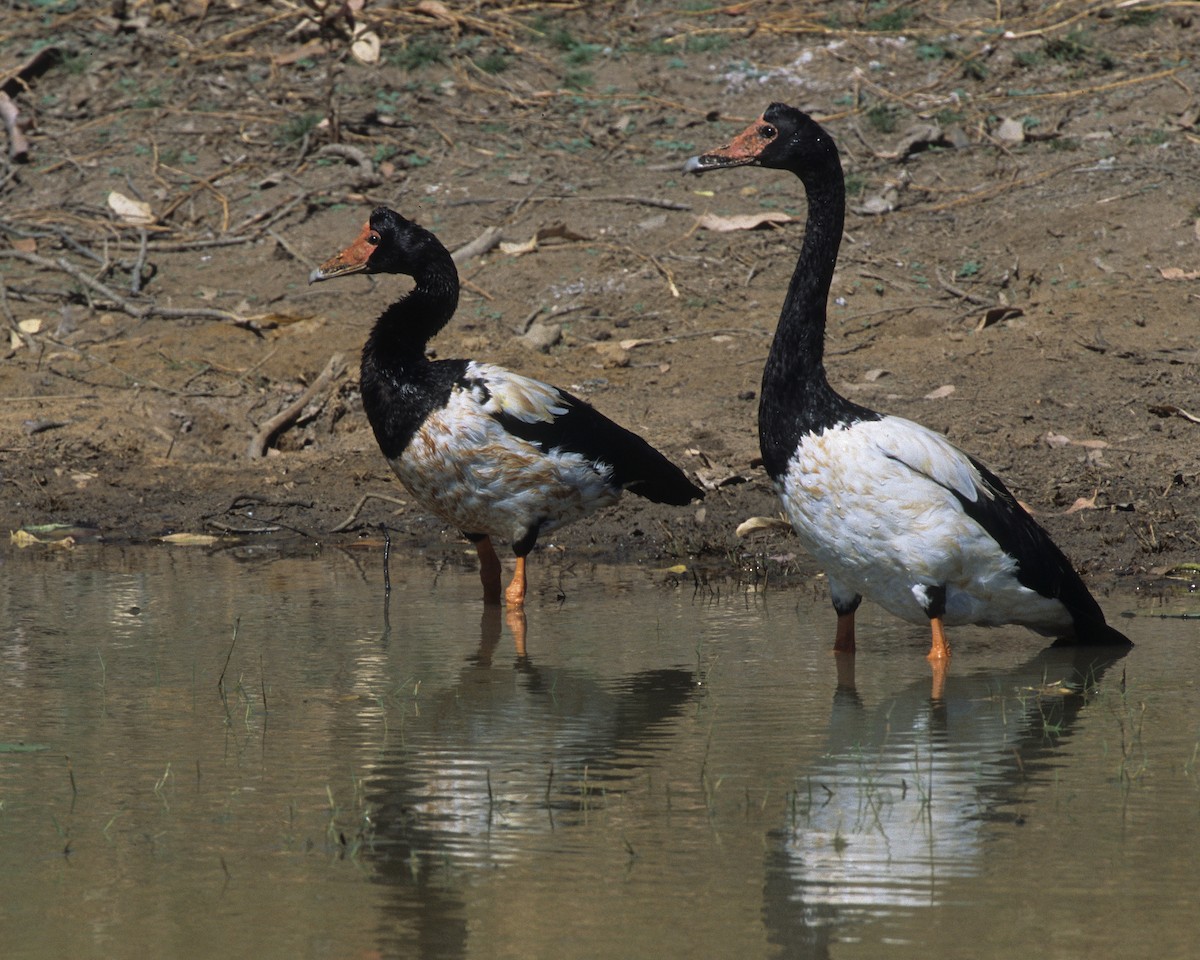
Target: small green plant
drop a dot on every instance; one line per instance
(933, 51)
(577, 79)
(676, 146)
(968, 269)
(495, 61)
(1139, 17)
(576, 145)
(890, 21)
(707, 43)
(297, 128)
(1072, 48)
(974, 69)
(1028, 59)
(883, 117)
(421, 52)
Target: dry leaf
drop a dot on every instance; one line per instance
(32, 325)
(1177, 273)
(611, 354)
(22, 538)
(1010, 131)
(434, 9)
(137, 213)
(519, 249)
(191, 539)
(761, 523)
(941, 392)
(559, 231)
(1062, 440)
(366, 45)
(1083, 503)
(24, 244)
(742, 221)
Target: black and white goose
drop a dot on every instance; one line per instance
(891, 510)
(494, 453)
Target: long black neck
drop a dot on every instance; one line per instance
(400, 386)
(400, 334)
(796, 398)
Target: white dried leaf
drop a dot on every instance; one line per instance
(134, 212)
(1178, 273)
(761, 523)
(366, 46)
(742, 221)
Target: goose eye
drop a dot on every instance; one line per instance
(373, 238)
(767, 131)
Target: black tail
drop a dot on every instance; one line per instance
(1095, 633)
(636, 466)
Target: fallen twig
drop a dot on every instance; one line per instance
(348, 522)
(288, 415)
(477, 247)
(139, 311)
(18, 145)
(1171, 410)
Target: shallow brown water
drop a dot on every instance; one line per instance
(663, 773)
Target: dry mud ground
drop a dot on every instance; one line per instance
(1019, 267)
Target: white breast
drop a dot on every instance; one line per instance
(467, 469)
(871, 503)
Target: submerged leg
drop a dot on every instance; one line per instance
(843, 640)
(516, 623)
(489, 567)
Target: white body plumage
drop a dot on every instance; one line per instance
(874, 503)
(465, 466)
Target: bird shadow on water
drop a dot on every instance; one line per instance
(908, 792)
(508, 751)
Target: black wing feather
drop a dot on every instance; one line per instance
(1041, 565)
(636, 466)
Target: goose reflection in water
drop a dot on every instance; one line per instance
(910, 792)
(507, 750)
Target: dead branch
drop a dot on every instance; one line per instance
(477, 247)
(139, 311)
(18, 146)
(349, 521)
(289, 414)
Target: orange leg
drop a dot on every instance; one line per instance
(515, 594)
(489, 571)
(843, 641)
(940, 650)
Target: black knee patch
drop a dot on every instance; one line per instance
(934, 603)
(849, 606)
